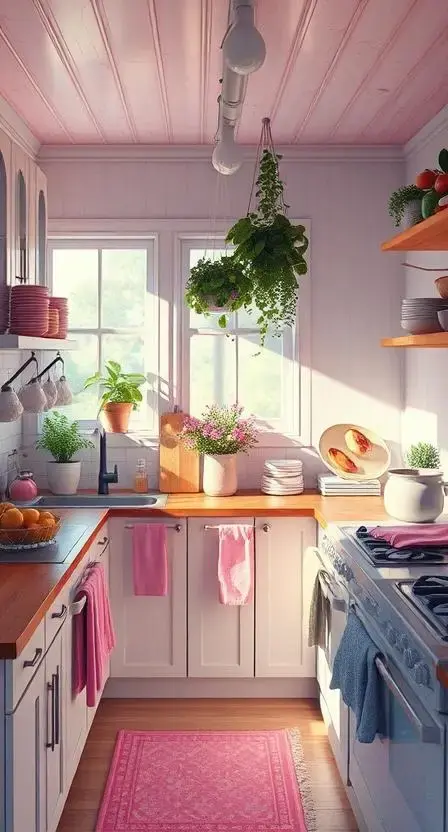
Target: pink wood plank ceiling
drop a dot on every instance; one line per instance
(129, 71)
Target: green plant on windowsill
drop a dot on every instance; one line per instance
(423, 455)
(120, 394)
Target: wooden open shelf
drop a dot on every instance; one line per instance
(429, 235)
(432, 339)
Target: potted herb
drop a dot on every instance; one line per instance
(218, 285)
(219, 435)
(423, 455)
(405, 206)
(62, 439)
(120, 395)
(270, 247)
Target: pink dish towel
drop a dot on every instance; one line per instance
(235, 564)
(420, 534)
(93, 634)
(149, 559)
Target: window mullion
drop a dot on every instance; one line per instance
(100, 288)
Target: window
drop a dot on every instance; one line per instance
(224, 368)
(110, 286)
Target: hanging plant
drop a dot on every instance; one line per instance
(216, 285)
(269, 246)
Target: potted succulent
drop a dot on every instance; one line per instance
(219, 435)
(423, 455)
(120, 395)
(405, 205)
(62, 439)
(218, 286)
(270, 247)
(416, 494)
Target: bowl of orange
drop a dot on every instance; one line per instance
(26, 526)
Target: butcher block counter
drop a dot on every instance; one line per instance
(28, 590)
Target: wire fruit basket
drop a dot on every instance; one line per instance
(24, 538)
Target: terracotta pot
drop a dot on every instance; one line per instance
(115, 417)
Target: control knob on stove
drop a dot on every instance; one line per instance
(422, 674)
(391, 635)
(410, 657)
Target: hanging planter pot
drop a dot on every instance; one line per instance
(218, 286)
(268, 246)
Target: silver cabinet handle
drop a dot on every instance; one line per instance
(428, 733)
(32, 662)
(51, 730)
(60, 614)
(266, 527)
(57, 707)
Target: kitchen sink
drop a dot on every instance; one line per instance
(103, 501)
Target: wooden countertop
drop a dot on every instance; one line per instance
(28, 590)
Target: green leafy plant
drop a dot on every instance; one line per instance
(400, 198)
(270, 247)
(61, 437)
(117, 387)
(221, 283)
(423, 455)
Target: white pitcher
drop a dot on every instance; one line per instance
(415, 495)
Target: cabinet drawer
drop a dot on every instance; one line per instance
(20, 671)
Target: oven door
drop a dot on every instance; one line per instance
(334, 711)
(399, 778)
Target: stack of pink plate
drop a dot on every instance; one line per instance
(29, 310)
(53, 323)
(61, 304)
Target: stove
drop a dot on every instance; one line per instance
(381, 553)
(429, 595)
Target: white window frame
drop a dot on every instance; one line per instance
(145, 427)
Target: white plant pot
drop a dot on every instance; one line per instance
(63, 477)
(220, 477)
(414, 495)
(412, 213)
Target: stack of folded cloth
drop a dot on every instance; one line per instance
(282, 476)
(330, 485)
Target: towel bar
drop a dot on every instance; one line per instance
(266, 527)
(77, 606)
(176, 528)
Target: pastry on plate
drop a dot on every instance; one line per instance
(342, 461)
(357, 442)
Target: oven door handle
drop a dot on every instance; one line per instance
(429, 733)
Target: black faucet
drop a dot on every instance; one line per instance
(104, 477)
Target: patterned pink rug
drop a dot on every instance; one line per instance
(200, 781)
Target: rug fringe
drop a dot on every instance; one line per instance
(303, 779)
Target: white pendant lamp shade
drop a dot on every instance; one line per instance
(33, 397)
(244, 49)
(227, 156)
(11, 407)
(51, 393)
(65, 396)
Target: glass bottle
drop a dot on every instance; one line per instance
(141, 477)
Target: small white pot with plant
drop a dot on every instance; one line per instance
(416, 494)
(63, 440)
(219, 435)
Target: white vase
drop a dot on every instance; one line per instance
(63, 477)
(415, 495)
(412, 213)
(220, 477)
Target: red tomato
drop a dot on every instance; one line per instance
(425, 179)
(441, 183)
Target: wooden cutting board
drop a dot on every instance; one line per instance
(179, 467)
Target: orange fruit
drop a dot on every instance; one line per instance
(12, 518)
(34, 526)
(46, 514)
(4, 507)
(30, 517)
(46, 521)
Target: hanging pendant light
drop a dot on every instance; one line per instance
(227, 156)
(244, 48)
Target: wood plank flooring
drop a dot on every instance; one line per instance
(332, 807)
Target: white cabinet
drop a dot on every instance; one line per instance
(55, 676)
(150, 631)
(285, 576)
(20, 196)
(220, 638)
(6, 226)
(41, 219)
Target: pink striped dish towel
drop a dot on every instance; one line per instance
(93, 634)
(419, 534)
(235, 564)
(149, 559)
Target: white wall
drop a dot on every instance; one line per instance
(426, 371)
(356, 290)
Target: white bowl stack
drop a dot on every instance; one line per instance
(282, 477)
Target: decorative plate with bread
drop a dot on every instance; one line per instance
(24, 527)
(354, 453)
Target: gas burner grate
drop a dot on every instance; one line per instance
(429, 594)
(380, 551)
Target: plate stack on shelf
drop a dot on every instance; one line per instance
(282, 477)
(29, 310)
(61, 305)
(331, 486)
(419, 315)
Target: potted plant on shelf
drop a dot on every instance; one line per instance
(416, 494)
(269, 246)
(220, 434)
(405, 206)
(423, 455)
(218, 286)
(62, 439)
(120, 395)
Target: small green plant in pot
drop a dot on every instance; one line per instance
(120, 395)
(62, 439)
(405, 205)
(218, 285)
(423, 455)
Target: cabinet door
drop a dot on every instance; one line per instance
(6, 230)
(20, 197)
(150, 631)
(25, 786)
(285, 576)
(220, 638)
(41, 220)
(55, 683)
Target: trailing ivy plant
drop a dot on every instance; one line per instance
(270, 247)
(219, 283)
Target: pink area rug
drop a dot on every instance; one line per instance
(201, 781)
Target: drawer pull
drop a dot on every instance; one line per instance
(34, 661)
(266, 527)
(103, 542)
(52, 727)
(61, 614)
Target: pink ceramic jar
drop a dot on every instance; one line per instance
(23, 489)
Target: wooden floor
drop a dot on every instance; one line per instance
(332, 808)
